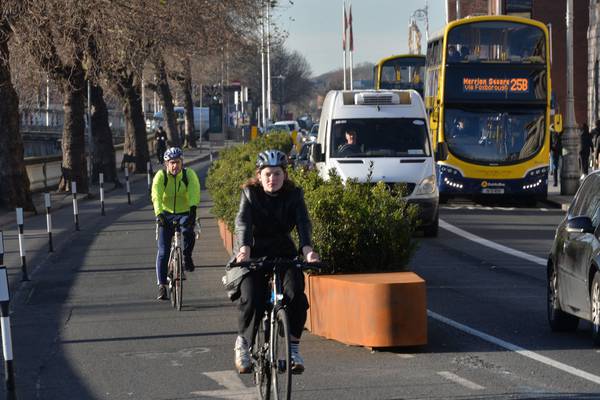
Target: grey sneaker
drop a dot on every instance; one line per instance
(242, 356)
(297, 362)
(162, 293)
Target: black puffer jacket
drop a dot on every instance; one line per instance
(264, 222)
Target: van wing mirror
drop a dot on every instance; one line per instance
(316, 153)
(441, 151)
(558, 123)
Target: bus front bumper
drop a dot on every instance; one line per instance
(533, 185)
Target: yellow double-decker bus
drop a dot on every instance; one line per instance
(406, 71)
(488, 95)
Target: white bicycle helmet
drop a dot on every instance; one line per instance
(271, 158)
(173, 153)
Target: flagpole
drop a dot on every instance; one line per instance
(344, 41)
(351, 49)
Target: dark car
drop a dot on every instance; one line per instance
(573, 265)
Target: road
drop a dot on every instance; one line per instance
(88, 327)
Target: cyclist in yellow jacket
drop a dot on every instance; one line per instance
(175, 196)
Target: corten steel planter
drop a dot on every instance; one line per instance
(372, 310)
(226, 236)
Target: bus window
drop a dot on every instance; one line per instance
(499, 41)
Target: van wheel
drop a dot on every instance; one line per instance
(432, 230)
(559, 320)
(595, 300)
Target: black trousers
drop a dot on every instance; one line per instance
(254, 294)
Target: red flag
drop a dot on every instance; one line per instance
(345, 29)
(350, 25)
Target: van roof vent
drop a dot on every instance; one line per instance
(376, 99)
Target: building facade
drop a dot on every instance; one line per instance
(593, 37)
(552, 13)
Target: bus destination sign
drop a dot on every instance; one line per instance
(495, 85)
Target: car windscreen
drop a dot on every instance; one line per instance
(494, 135)
(379, 137)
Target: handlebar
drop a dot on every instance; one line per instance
(272, 263)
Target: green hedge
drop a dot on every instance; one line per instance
(357, 227)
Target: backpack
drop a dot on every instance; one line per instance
(184, 178)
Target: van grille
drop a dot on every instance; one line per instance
(407, 187)
(378, 100)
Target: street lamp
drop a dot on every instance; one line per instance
(422, 14)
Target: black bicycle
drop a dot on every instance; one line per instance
(270, 352)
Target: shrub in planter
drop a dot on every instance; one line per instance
(234, 166)
(359, 227)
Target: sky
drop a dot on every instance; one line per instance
(380, 28)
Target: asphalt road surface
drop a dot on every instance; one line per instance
(87, 325)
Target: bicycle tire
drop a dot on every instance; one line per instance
(170, 279)
(281, 371)
(179, 280)
(260, 359)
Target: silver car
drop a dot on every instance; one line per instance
(573, 264)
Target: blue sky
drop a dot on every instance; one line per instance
(380, 28)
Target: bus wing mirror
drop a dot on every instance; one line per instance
(558, 123)
(316, 153)
(434, 118)
(441, 152)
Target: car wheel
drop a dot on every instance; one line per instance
(559, 320)
(595, 300)
(432, 230)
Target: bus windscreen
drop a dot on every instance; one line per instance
(494, 136)
(403, 73)
(496, 42)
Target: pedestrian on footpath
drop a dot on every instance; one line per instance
(596, 140)
(585, 148)
(271, 207)
(555, 155)
(161, 143)
(175, 197)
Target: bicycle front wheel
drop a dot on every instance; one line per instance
(178, 279)
(281, 367)
(260, 359)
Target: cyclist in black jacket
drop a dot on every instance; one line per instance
(271, 206)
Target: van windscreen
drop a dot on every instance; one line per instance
(379, 137)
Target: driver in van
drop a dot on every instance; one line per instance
(351, 146)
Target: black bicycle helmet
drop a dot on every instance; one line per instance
(271, 158)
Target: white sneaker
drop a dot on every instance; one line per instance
(297, 362)
(242, 356)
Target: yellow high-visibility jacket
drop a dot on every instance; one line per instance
(175, 197)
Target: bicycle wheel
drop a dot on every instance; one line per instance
(178, 279)
(260, 359)
(171, 278)
(281, 371)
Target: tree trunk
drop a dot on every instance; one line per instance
(14, 190)
(186, 87)
(103, 157)
(166, 98)
(74, 166)
(136, 153)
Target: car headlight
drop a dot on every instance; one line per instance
(427, 185)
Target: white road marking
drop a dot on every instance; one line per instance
(461, 381)
(517, 349)
(234, 387)
(406, 356)
(183, 353)
(493, 245)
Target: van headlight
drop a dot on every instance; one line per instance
(427, 186)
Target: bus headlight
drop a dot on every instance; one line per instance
(427, 186)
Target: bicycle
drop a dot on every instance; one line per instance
(175, 274)
(270, 352)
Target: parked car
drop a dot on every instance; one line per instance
(302, 160)
(314, 132)
(573, 265)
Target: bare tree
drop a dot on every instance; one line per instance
(14, 191)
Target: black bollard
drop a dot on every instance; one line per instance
(9, 372)
(101, 180)
(24, 277)
(128, 186)
(49, 221)
(75, 208)
(1, 247)
(149, 177)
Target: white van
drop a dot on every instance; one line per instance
(387, 128)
